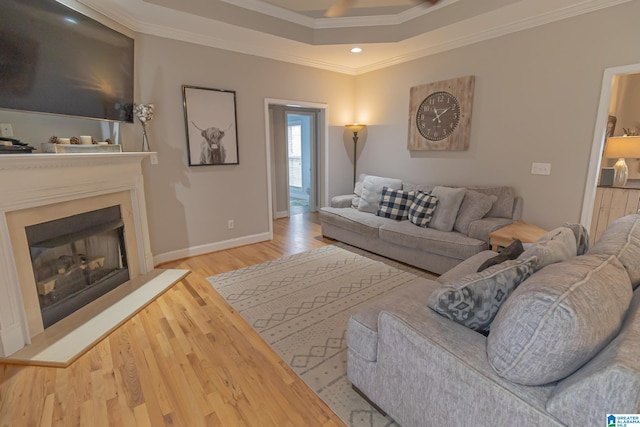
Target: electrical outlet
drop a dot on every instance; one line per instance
(154, 158)
(230, 224)
(6, 130)
(540, 168)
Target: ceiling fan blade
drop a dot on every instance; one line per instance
(339, 8)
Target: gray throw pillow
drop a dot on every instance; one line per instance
(357, 190)
(559, 319)
(622, 239)
(449, 201)
(474, 300)
(372, 192)
(556, 246)
(474, 206)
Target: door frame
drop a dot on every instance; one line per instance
(322, 150)
(598, 139)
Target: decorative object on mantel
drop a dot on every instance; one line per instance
(355, 128)
(622, 147)
(144, 113)
(100, 147)
(440, 115)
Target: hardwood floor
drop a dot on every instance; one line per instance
(187, 359)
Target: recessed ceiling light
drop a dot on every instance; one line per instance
(356, 49)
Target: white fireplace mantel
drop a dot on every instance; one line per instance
(33, 180)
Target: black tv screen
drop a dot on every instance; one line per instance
(56, 60)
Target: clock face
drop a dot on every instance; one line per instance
(438, 116)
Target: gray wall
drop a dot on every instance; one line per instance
(189, 206)
(536, 97)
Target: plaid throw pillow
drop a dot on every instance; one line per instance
(422, 209)
(395, 204)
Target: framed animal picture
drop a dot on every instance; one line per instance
(210, 122)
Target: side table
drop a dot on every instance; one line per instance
(527, 233)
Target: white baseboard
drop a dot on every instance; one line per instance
(210, 247)
(282, 214)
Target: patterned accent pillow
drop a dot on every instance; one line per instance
(395, 204)
(474, 300)
(422, 209)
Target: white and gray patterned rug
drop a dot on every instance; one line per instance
(300, 305)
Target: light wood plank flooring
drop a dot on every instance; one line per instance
(185, 360)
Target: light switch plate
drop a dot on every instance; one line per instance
(541, 168)
(6, 130)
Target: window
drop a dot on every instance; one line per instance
(294, 150)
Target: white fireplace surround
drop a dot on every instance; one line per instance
(30, 181)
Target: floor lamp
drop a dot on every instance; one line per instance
(355, 128)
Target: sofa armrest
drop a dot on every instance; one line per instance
(343, 201)
(428, 364)
(466, 267)
(480, 229)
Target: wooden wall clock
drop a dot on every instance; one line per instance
(440, 115)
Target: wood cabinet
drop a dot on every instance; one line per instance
(612, 203)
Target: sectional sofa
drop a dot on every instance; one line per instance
(562, 348)
(462, 221)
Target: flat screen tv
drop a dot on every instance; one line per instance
(56, 60)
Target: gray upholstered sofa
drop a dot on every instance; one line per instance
(563, 349)
(433, 249)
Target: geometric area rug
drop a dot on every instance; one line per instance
(300, 305)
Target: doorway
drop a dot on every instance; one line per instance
(296, 146)
(599, 138)
(301, 161)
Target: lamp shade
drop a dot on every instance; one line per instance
(355, 127)
(623, 146)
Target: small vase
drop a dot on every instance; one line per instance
(145, 140)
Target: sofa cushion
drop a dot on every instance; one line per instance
(395, 204)
(513, 251)
(474, 206)
(558, 319)
(362, 330)
(474, 300)
(556, 246)
(446, 243)
(622, 239)
(351, 219)
(422, 208)
(609, 383)
(503, 206)
(449, 201)
(372, 191)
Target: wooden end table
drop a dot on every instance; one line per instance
(527, 233)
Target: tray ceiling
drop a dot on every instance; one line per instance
(388, 31)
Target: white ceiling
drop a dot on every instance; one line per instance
(388, 31)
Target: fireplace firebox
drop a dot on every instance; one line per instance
(76, 260)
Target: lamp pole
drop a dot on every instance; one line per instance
(355, 128)
(355, 152)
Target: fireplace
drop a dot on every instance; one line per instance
(72, 227)
(76, 260)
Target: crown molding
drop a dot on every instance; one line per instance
(516, 17)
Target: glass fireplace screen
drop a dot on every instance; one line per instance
(76, 260)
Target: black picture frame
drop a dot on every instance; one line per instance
(210, 121)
